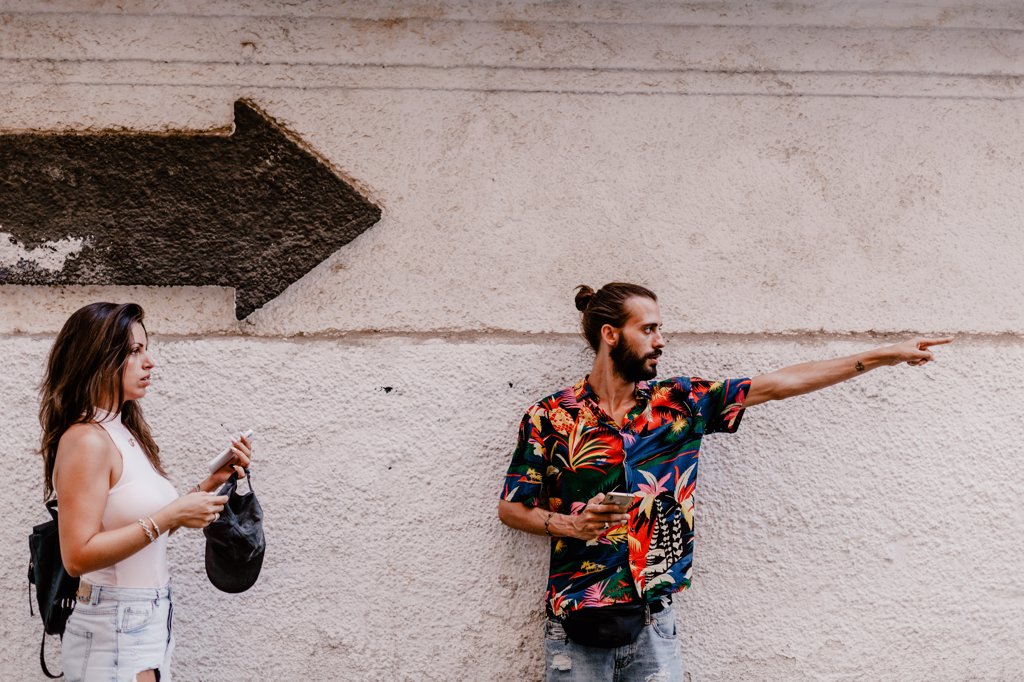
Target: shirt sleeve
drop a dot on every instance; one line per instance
(524, 478)
(722, 404)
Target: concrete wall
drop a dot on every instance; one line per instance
(796, 180)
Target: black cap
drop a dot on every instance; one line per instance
(234, 542)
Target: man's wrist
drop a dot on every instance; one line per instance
(886, 356)
(561, 526)
(872, 359)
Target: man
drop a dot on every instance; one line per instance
(614, 568)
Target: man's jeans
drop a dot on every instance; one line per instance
(654, 657)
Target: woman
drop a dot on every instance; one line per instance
(116, 505)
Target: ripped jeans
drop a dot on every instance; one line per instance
(654, 657)
(117, 632)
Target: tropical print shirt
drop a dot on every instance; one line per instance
(569, 450)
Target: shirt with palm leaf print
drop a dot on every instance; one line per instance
(570, 450)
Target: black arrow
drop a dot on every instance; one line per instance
(252, 210)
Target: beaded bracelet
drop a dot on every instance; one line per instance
(547, 530)
(149, 533)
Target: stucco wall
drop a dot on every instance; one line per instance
(795, 181)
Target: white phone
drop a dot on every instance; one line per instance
(619, 499)
(225, 457)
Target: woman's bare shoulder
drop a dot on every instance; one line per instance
(87, 441)
(85, 435)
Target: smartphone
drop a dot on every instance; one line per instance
(223, 458)
(619, 499)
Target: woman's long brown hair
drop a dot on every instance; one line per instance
(84, 370)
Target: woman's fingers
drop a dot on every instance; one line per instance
(242, 457)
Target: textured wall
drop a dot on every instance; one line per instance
(796, 181)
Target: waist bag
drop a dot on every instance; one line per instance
(607, 627)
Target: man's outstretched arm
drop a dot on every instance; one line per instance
(811, 376)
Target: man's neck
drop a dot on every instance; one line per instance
(615, 394)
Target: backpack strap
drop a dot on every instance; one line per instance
(42, 660)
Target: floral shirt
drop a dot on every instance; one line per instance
(569, 450)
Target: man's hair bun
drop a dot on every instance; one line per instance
(584, 295)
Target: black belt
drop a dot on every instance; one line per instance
(658, 606)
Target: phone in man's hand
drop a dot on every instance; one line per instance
(619, 499)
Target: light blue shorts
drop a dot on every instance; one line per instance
(654, 657)
(114, 633)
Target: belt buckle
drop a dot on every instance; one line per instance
(84, 592)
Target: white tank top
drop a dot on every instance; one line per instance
(140, 492)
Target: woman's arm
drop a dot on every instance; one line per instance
(85, 462)
(241, 449)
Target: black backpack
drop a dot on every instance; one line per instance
(55, 589)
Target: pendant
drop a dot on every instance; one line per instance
(131, 441)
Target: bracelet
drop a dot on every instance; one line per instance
(149, 533)
(547, 530)
(195, 489)
(156, 528)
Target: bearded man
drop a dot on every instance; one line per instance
(617, 434)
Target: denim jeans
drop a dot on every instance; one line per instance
(654, 657)
(117, 633)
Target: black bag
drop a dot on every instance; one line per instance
(55, 589)
(607, 627)
(235, 543)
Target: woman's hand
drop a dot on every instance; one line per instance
(196, 510)
(241, 450)
(596, 518)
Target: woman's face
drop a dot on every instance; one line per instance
(137, 365)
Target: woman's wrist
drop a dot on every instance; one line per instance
(164, 521)
(203, 486)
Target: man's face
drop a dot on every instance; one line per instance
(635, 356)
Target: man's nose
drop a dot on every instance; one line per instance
(659, 340)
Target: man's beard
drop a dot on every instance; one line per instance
(630, 365)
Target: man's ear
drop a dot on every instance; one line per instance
(610, 335)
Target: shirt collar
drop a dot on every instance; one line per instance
(583, 389)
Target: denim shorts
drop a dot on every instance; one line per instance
(655, 655)
(118, 632)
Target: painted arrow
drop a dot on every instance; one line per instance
(253, 210)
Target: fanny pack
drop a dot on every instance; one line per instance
(608, 627)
